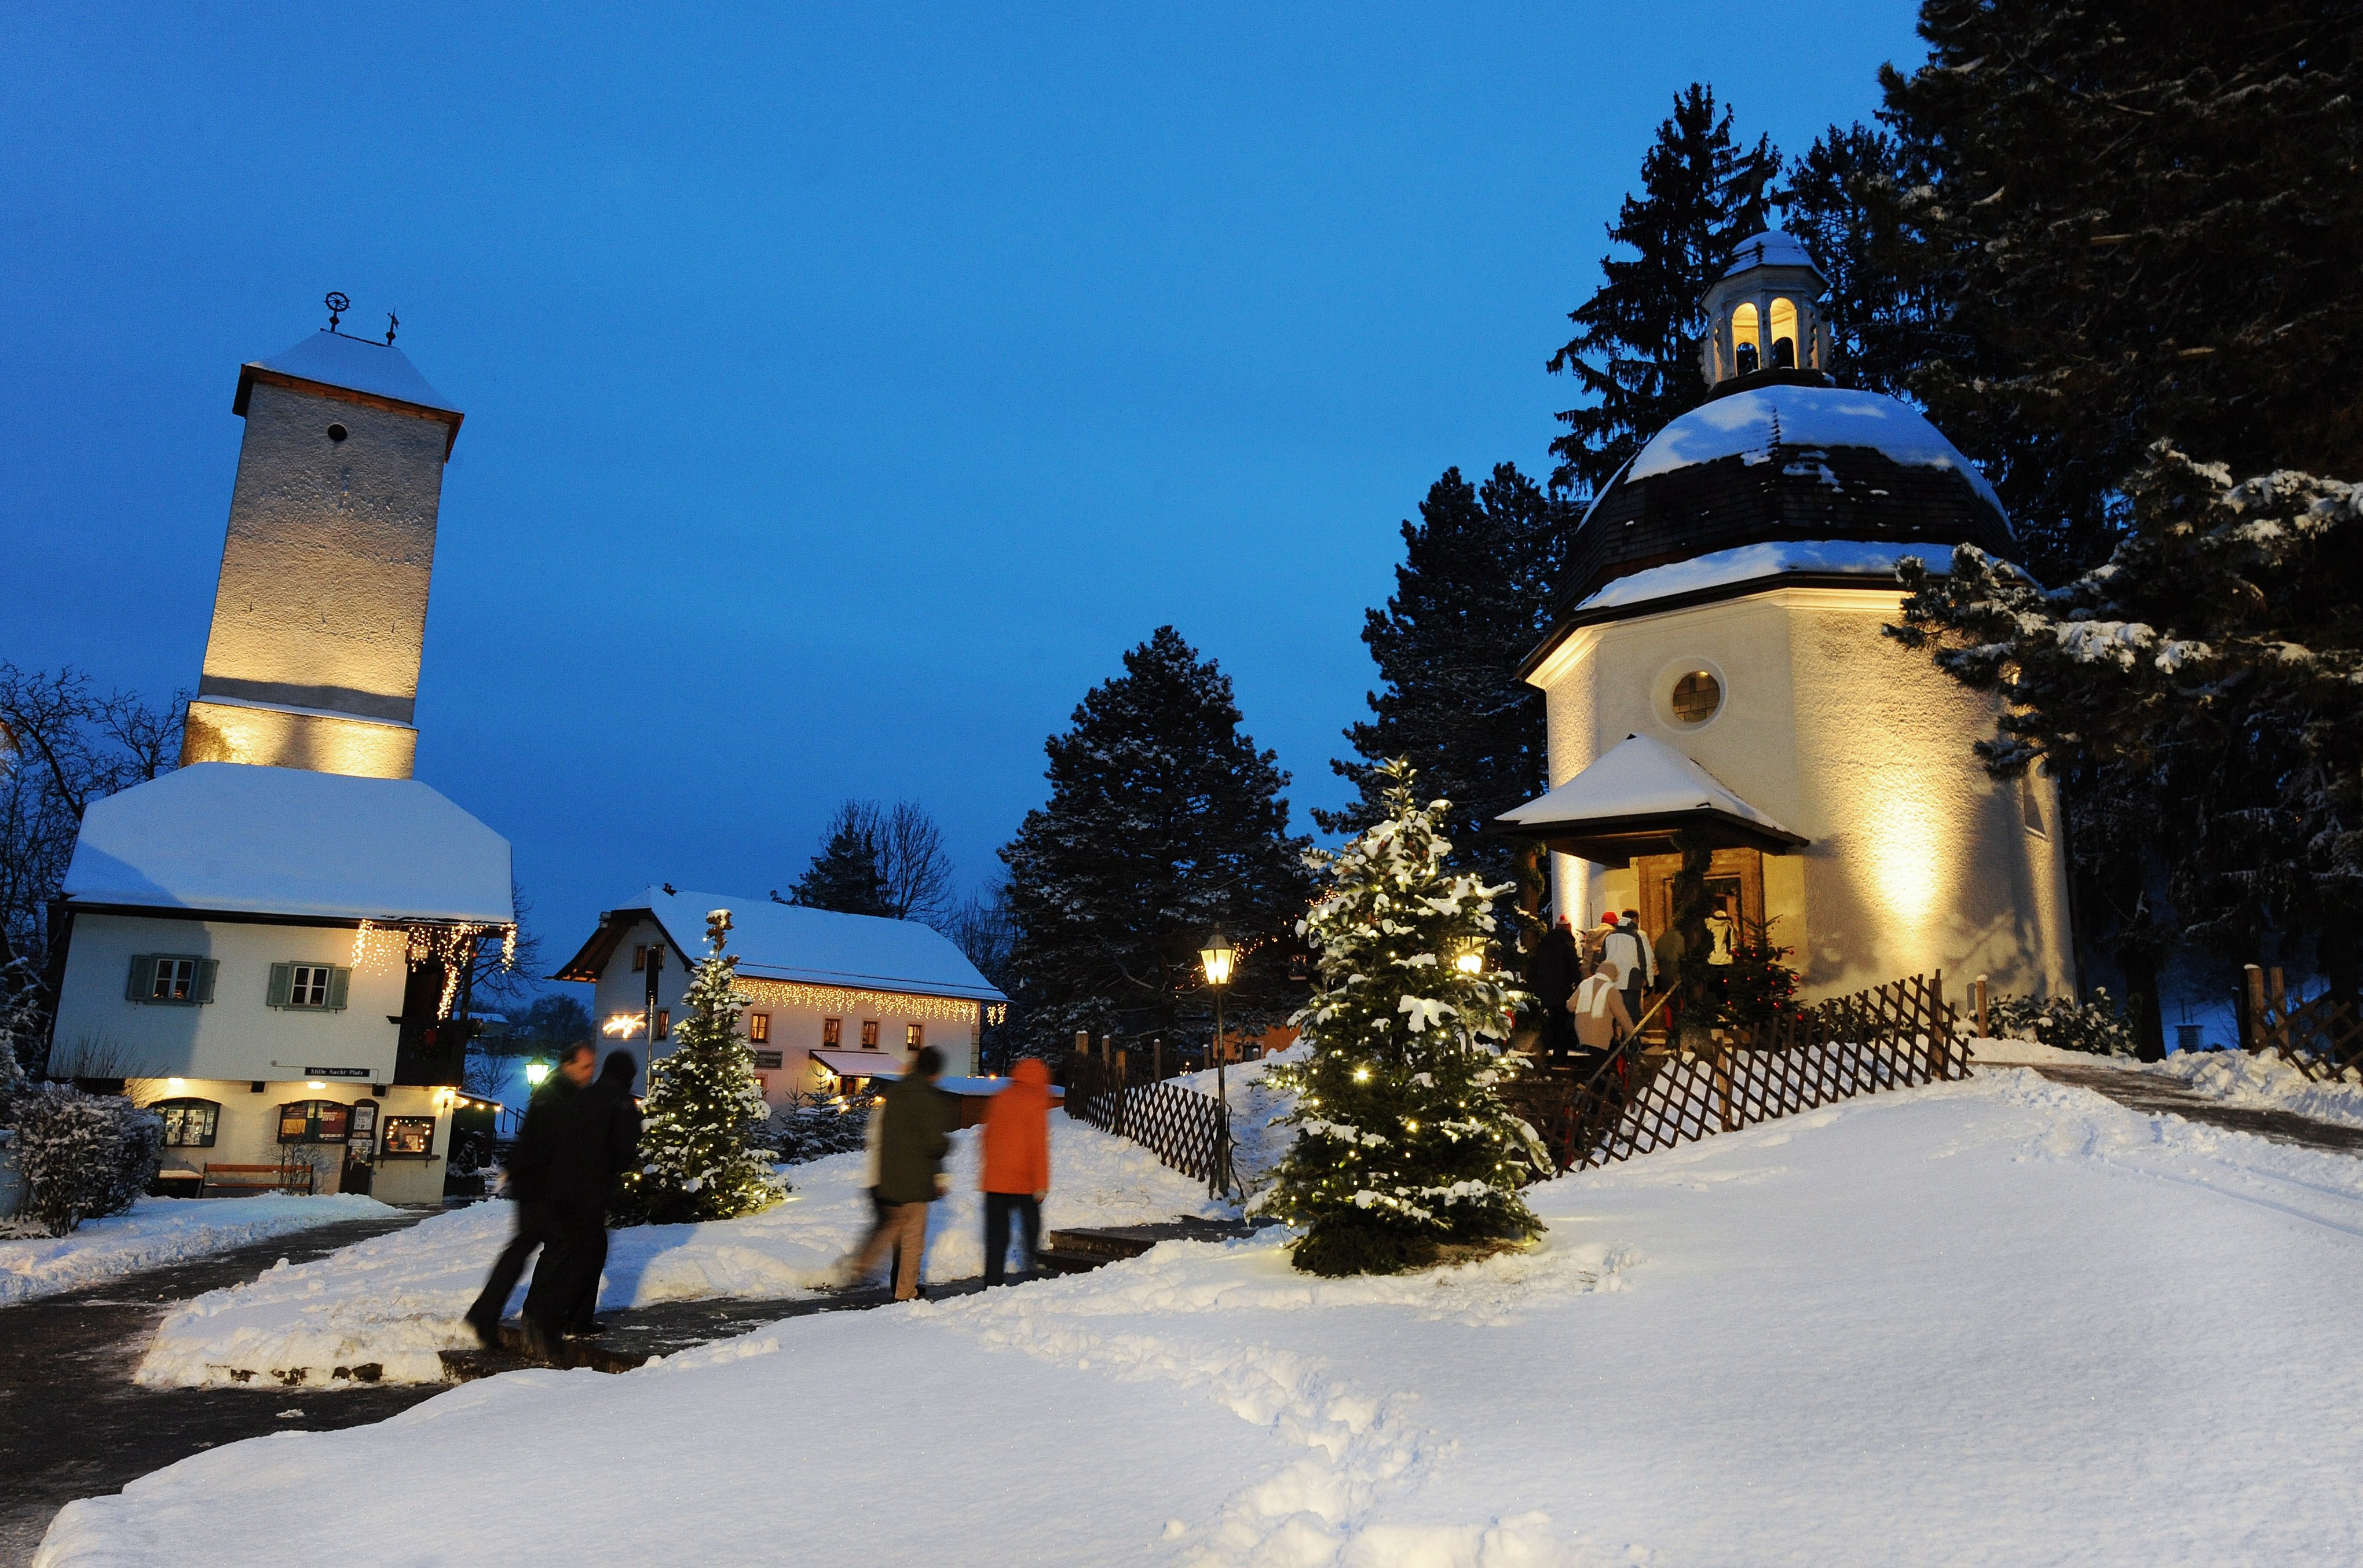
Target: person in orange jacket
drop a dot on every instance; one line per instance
(1016, 1174)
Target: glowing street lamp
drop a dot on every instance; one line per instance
(535, 1074)
(1217, 956)
(1471, 960)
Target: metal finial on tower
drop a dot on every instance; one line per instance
(337, 304)
(392, 321)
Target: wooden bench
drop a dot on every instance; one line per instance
(245, 1180)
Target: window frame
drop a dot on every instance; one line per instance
(312, 1135)
(139, 986)
(333, 987)
(386, 1150)
(832, 1033)
(758, 1028)
(169, 1111)
(915, 1036)
(869, 1034)
(664, 1023)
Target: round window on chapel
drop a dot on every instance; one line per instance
(1696, 697)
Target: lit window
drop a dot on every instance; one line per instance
(314, 1121)
(410, 1137)
(1743, 328)
(171, 980)
(188, 1123)
(664, 1023)
(1784, 335)
(639, 956)
(758, 1026)
(832, 1030)
(914, 1036)
(176, 980)
(1697, 695)
(762, 1085)
(869, 1034)
(317, 987)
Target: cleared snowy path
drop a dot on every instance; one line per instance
(2154, 1093)
(2003, 1321)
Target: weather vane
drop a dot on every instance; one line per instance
(337, 304)
(392, 321)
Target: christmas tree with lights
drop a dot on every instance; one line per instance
(699, 1158)
(1405, 1147)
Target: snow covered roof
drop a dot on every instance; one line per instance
(230, 838)
(378, 371)
(1749, 563)
(1770, 248)
(1636, 796)
(787, 942)
(1752, 424)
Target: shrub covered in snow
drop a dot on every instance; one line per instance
(1403, 1144)
(2099, 1026)
(82, 1155)
(811, 1125)
(701, 1157)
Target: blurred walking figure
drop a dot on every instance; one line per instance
(528, 1184)
(1552, 972)
(914, 1134)
(1016, 1174)
(600, 1138)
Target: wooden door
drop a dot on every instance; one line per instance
(1735, 884)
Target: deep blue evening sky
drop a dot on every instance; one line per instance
(846, 389)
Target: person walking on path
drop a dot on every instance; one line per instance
(1600, 1014)
(1016, 1165)
(600, 1139)
(914, 1137)
(1551, 974)
(529, 1174)
(1628, 949)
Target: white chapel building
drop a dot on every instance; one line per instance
(263, 944)
(1717, 663)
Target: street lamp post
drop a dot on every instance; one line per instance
(1217, 956)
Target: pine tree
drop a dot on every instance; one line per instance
(699, 1159)
(2144, 218)
(1472, 599)
(848, 875)
(1403, 1144)
(1164, 821)
(2210, 675)
(1636, 347)
(1847, 202)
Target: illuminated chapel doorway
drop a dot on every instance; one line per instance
(1734, 890)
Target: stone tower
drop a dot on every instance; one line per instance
(318, 623)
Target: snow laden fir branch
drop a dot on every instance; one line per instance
(1404, 1145)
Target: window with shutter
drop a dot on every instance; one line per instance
(309, 988)
(283, 976)
(170, 980)
(338, 980)
(143, 970)
(206, 972)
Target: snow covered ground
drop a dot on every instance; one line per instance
(395, 1301)
(2000, 1321)
(163, 1231)
(2264, 1080)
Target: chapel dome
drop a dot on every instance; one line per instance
(1781, 458)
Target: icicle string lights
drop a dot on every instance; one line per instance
(379, 946)
(833, 1000)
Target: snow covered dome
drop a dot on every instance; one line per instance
(1772, 462)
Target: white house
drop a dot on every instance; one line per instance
(835, 997)
(1717, 663)
(258, 953)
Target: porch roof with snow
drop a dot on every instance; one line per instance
(236, 839)
(788, 942)
(1633, 799)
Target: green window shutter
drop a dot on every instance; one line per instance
(336, 981)
(206, 968)
(143, 975)
(283, 976)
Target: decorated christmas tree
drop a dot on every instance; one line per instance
(699, 1154)
(1404, 1146)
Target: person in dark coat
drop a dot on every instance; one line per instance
(529, 1178)
(601, 1139)
(914, 1136)
(1551, 974)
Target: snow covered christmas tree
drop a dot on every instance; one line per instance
(1404, 1145)
(699, 1159)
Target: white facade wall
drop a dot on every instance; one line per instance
(621, 992)
(1918, 860)
(246, 1133)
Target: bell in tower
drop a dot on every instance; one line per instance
(1761, 315)
(321, 614)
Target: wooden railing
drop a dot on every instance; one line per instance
(1645, 1097)
(2321, 1038)
(1180, 1126)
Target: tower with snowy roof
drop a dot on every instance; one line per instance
(1716, 663)
(321, 613)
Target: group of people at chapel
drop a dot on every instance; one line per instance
(1593, 986)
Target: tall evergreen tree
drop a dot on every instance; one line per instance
(1471, 598)
(1885, 311)
(1404, 1144)
(2144, 216)
(1634, 352)
(1164, 821)
(847, 876)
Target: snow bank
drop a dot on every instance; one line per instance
(2033, 1052)
(1257, 1146)
(2263, 1080)
(163, 1231)
(1951, 1325)
(394, 1301)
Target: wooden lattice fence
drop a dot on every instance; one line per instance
(1180, 1125)
(1647, 1097)
(2321, 1037)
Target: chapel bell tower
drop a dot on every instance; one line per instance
(1761, 314)
(321, 613)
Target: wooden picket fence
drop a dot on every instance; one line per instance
(1180, 1125)
(1649, 1097)
(2321, 1037)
